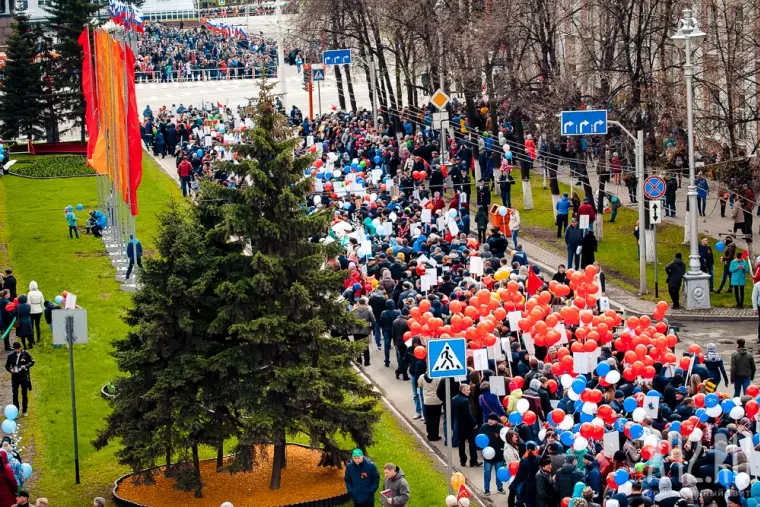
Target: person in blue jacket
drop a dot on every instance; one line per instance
(714, 365)
(134, 254)
(101, 221)
(362, 479)
(563, 210)
(702, 189)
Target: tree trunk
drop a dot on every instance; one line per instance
(278, 462)
(168, 456)
(220, 457)
(350, 83)
(583, 174)
(339, 82)
(197, 469)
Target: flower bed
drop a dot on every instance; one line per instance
(52, 166)
(304, 484)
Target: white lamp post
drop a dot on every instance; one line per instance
(697, 287)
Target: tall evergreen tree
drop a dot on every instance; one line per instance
(294, 377)
(21, 101)
(67, 20)
(171, 402)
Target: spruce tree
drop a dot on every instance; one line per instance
(67, 20)
(293, 376)
(173, 399)
(21, 101)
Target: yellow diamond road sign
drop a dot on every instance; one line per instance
(439, 99)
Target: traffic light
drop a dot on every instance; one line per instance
(306, 76)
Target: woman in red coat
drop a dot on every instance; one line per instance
(8, 485)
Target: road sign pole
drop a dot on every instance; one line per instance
(449, 437)
(70, 340)
(656, 265)
(311, 94)
(642, 212)
(281, 57)
(319, 95)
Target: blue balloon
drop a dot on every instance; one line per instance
(577, 428)
(586, 417)
(200, 153)
(481, 441)
(508, 155)
(354, 165)
(360, 180)
(702, 414)
(347, 169)
(755, 489)
(620, 424)
(357, 286)
(11, 412)
(654, 393)
(602, 369)
(725, 477)
(720, 246)
(58, 301)
(515, 418)
(502, 211)
(328, 175)
(347, 205)
(26, 469)
(630, 404)
(9, 426)
(377, 159)
(566, 438)
(755, 442)
(727, 405)
(578, 385)
(80, 207)
(711, 400)
(577, 405)
(503, 474)
(751, 502)
(675, 426)
(621, 476)
(636, 430)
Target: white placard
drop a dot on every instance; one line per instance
(208, 141)
(318, 186)
(611, 443)
(747, 447)
(476, 266)
(604, 304)
(432, 276)
(514, 320)
(59, 324)
(365, 248)
(387, 228)
(453, 228)
(498, 386)
(495, 353)
(583, 222)
(376, 175)
(427, 216)
(754, 463)
(416, 230)
(424, 203)
(309, 140)
(422, 259)
(71, 302)
(580, 362)
(651, 406)
(530, 345)
(440, 222)
(560, 328)
(339, 188)
(462, 198)
(480, 359)
(424, 283)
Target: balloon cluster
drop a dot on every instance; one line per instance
(9, 427)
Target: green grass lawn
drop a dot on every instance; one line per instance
(617, 251)
(33, 228)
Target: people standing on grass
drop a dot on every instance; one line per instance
(9, 283)
(728, 256)
(739, 268)
(563, 208)
(24, 331)
(36, 304)
(573, 240)
(707, 261)
(362, 479)
(396, 489)
(6, 317)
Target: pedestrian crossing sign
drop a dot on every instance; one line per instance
(317, 73)
(447, 358)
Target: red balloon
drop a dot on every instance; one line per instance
(685, 362)
(753, 391)
(699, 399)
(751, 408)
(513, 466)
(604, 412)
(648, 451)
(529, 417)
(557, 415)
(663, 446)
(420, 352)
(586, 430)
(553, 383)
(611, 481)
(597, 432)
(686, 428)
(519, 381)
(566, 502)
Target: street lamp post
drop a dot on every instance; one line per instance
(697, 288)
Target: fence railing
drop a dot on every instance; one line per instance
(193, 75)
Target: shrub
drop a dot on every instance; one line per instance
(47, 166)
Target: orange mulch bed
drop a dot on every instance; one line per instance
(301, 481)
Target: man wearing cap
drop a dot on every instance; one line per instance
(573, 239)
(362, 479)
(492, 429)
(546, 495)
(567, 476)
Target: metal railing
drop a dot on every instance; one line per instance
(199, 75)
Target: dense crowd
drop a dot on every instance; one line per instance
(173, 53)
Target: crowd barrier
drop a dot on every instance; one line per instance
(199, 75)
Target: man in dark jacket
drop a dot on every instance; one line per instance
(18, 365)
(497, 243)
(400, 326)
(670, 197)
(484, 194)
(573, 238)
(386, 325)
(706, 260)
(567, 476)
(134, 254)
(492, 429)
(377, 300)
(675, 271)
(436, 180)
(546, 495)
(362, 479)
(742, 368)
(466, 425)
(637, 499)
(728, 255)
(10, 283)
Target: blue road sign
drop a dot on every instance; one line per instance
(583, 123)
(447, 358)
(654, 187)
(317, 74)
(336, 57)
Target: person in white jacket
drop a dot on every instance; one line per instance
(514, 225)
(36, 301)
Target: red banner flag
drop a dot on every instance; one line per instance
(133, 133)
(88, 89)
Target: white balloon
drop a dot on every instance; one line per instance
(639, 414)
(626, 488)
(376, 223)
(350, 177)
(566, 423)
(736, 413)
(737, 401)
(589, 408)
(714, 411)
(355, 161)
(464, 502)
(541, 435)
(332, 156)
(580, 443)
(650, 440)
(596, 421)
(337, 173)
(317, 199)
(373, 196)
(573, 395)
(566, 380)
(506, 148)
(488, 452)
(613, 377)
(227, 504)
(451, 501)
(695, 435)
(742, 480)
(523, 405)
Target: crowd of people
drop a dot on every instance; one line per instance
(168, 53)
